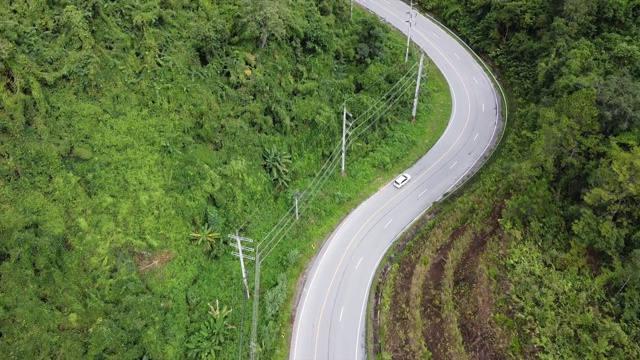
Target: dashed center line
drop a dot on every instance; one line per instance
(483, 107)
(341, 311)
(454, 164)
(425, 190)
(318, 325)
(388, 223)
(474, 79)
(475, 137)
(358, 263)
(436, 35)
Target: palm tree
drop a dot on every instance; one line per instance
(220, 327)
(212, 335)
(207, 237)
(275, 163)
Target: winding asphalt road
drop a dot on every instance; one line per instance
(330, 317)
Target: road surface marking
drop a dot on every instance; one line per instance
(454, 164)
(466, 91)
(456, 55)
(474, 79)
(436, 35)
(474, 139)
(359, 261)
(388, 223)
(425, 190)
(482, 107)
(368, 220)
(341, 311)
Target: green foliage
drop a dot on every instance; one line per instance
(276, 164)
(211, 337)
(570, 168)
(208, 239)
(123, 123)
(270, 18)
(275, 296)
(610, 219)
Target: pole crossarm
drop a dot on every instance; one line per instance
(244, 248)
(240, 238)
(244, 256)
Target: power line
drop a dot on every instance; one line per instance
(384, 96)
(357, 131)
(303, 200)
(283, 233)
(327, 169)
(286, 222)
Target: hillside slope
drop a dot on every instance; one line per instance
(539, 258)
(135, 135)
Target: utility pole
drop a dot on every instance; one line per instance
(344, 134)
(351, 10)
(415, 97)
(256, 302)
(239, 254)
(297, 196)
(406, 55)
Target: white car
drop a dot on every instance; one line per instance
(401, 180)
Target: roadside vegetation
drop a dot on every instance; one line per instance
(134, 136)
(540, 256)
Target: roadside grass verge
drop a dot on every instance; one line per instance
(405, 145)
(438, 302)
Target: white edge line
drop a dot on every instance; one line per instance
(463, 176)
(296, 331)
(366, 298)
(454, 184)
(426, 209)
(487, 70)
(475, 162)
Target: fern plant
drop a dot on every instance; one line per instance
(276, 163)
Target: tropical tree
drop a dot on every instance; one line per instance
(209, 239)
(275, 163)
(270, 19)
(214, 332)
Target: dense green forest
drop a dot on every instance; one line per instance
(560, 205)
(134, 135)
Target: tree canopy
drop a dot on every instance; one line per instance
(569, 171)
(131, 142)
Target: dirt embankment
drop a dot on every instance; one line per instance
(417, 315)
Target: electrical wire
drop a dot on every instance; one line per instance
(369, 117)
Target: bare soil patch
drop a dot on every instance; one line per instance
(472, 298)
(434, 326)
(148, 261)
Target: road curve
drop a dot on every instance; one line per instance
(330, 316)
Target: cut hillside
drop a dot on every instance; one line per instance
(135, 135)
(539, 257)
